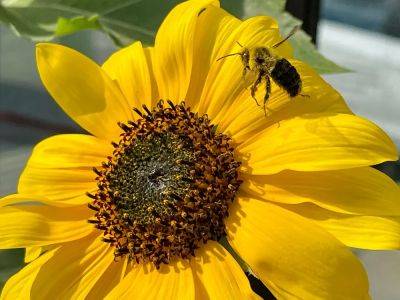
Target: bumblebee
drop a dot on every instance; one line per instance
(267, 64)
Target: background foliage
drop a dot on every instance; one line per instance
(127, 20)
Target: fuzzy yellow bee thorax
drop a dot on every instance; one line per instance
(262, 59)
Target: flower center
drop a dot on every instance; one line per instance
(149, 176)
(167, 186)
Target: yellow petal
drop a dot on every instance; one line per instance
(23, 226)
(225, 81)
(294, 257)
(31, 253)
(131, 68)
(82, 89)
(366, 232)
(19, 285)
(60, 167)
(173, 281)
(364, 191)
(73, 270)
(245, 119)
(218, 276)
(70, 151)
(149, 53)
(31, 198)
(317, 142)
(110, 278)
(173, 49)
(214, 25)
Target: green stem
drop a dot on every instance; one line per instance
(245, 267)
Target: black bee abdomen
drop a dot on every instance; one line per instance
(287, 77)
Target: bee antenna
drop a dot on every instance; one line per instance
(232, 54)
(293, 31)
(239, 44)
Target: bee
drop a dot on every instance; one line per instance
(266, 63)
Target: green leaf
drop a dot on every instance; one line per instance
(304, 49)
(70, 26)
(272, 8)
(10, 263)
(123, 20)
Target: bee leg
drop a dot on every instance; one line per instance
(267, 92)
(246, 68)
(304, 95)
(255, 86)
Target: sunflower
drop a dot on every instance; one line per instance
(182, 182)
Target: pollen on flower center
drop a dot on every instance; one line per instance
(151, 175)
(167, 187)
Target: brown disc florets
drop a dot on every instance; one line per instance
(167, 186)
